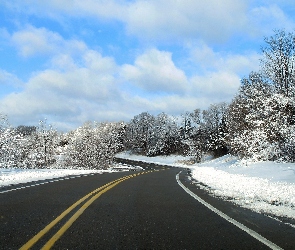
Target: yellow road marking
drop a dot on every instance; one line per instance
(65, 227)
(33, 240)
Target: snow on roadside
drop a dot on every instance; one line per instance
(15, 176)
(9, 176)
(265, 187)
(171, 160)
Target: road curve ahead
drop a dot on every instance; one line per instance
(129, 210)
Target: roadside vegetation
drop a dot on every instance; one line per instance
(259, 123)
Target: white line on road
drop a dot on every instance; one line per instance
(229, 219)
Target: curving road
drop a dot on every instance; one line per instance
(131, 210)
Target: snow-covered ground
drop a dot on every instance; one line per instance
(164, 160)
(15, 176)
(264, 187)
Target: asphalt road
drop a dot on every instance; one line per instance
(147, 210)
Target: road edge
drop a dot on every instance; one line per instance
(229, 219)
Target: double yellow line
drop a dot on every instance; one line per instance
(94, 195)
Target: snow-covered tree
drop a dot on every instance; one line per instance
(214, 126)
(278, 61)
(46, 137)
(138, 131)
(36, 146)
(258, 125)
(8, 144)
(94, 145)
(163, 138)
(189, 122)
(261, 118)
(190, 135)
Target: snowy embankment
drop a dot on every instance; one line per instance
(161, 160)
(265, 187)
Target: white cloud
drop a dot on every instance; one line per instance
(264, 19)
(155, 71)
(218, 86)
(210, 61)
(154, 19)
(211, 20)
(32, 41)
(80, 84)
(69, 96)
(8, 79)
(92, 87)
(217, 75)
(171, 104)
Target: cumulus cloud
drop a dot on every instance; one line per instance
(155, 71)
(218, 75)
(80, 84)
(218, 86)
(77, 92)
(209, 60)
(211, 20)
(32, 41)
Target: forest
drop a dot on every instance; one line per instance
(259, 124)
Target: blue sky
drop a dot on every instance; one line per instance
(107, 60)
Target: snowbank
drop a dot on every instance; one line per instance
(264, 187)
(172, 160)
(17, 175)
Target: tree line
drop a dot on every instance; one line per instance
(259, 123)
(92, 145)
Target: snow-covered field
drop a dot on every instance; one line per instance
(264, 187)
